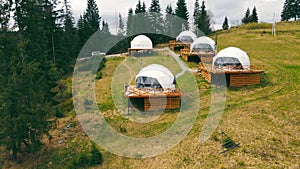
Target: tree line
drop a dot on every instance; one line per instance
(38, 50)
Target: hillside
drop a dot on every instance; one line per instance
(264, 119)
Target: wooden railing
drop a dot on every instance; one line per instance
(149, 91)
(214, 69)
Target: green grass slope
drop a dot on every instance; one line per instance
(264, 119)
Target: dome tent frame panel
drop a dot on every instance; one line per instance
(204, 44)
(186, 37)
(141, 42)
(140, 45)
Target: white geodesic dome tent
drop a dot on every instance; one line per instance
(141, 42)
(186, 36)
(155, 76)
(204, 44)
(231, 56)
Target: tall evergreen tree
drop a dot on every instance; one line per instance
(5, 11)
(203, 20)
(81, 30)
(254, 16)
(27, 93)
(196, 11)
(169, 20)
(182, 12)
(139, 8)
(155, 17)
(291, 9)
(26, 110)
(130, 23)
(121, 26)
(144, 7)
(67, 43)
(140, 19)
(225, 24)
(247, 17)
(105, 28)
(91, 19)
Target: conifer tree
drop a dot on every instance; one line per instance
(30, 77)
(181, 12)
(291, 9)
(130, 23)
(5, 14)
(144, 7)
(254, 16)
(139, 8)
(247, 17)
(91, 19)
(105, 28)
(169, 20)
(196, 11)
(155, 17)
(121, 26)
(225, 24)
(203, 20)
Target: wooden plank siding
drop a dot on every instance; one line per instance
(161, 103)
(234, 78)
(153, 99)
(173, 44)
(203, 56)
(238, 80)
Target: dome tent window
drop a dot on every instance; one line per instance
(155, 76)
(203, 49)
(203, 44)
(228, 61)
(186, 37)
(232, 57)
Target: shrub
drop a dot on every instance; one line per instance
(59, 114)
(96, 157)
(255, 26)
(84, 160)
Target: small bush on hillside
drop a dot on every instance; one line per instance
(84, 160)
(255, 26)
(96, 157)
(59, 114)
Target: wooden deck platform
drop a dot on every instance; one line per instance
(146, 99)
(204, 57)
(234, 77)
(174, 43)
(130, 51)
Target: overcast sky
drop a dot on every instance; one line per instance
(233, 9)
